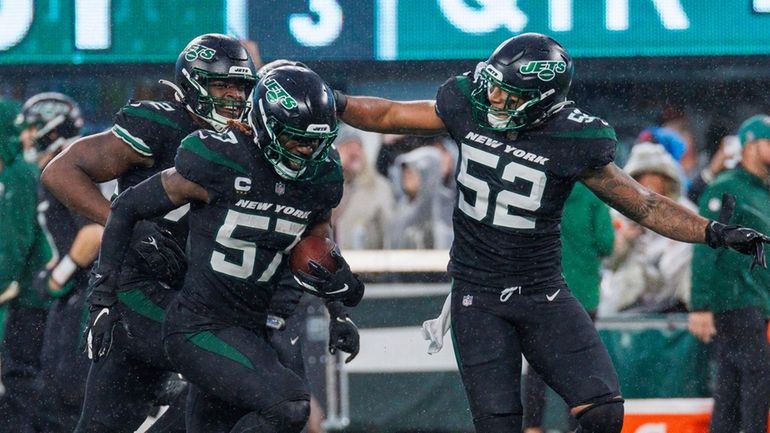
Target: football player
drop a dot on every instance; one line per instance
(49, 122)
(213, 77)
(254, 192)
(523, 145)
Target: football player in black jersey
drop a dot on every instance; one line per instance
(254, 192)
(50, 122)
(213, 79)
(523, 145)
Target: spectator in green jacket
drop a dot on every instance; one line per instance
(24, 251)
(587, 236)
(731, 298)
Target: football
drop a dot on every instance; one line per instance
(313, 248)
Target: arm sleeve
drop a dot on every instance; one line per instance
(146, 200)
(704, 257)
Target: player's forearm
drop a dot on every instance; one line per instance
(75, 189)
(668, 218)
(369, 113)
(392, 117)
(143, 201)
(85, 247)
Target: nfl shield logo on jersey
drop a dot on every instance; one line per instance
(467, 300)
(280, 188)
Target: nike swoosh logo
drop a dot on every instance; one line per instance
(553, 296)
(104, 312)
(294, 340)
(342, 290)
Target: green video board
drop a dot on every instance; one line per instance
(150, 31)
(587, 28)
(98, 31)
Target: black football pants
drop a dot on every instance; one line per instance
(22, 345)
(64, 365)
(235, 371)
(491, 331)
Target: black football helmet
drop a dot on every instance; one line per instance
(292, 103)
(207, 58)
(56, 118)
(277, 64)
(531, 67)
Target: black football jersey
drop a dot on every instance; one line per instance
(512, 188)
(239, 242)
(155, 129)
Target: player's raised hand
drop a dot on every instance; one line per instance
(742, 239)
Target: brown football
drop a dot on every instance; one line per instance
(313, 248)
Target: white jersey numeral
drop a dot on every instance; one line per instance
(505, 199)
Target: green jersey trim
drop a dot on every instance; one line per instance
(206, 340)
(195, 145)
(589, 133)
(464, 83)
(152, 116)
(333, 175)
(136, 143)
(138, 302)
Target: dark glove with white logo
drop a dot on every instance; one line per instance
(342, 285)
(102, 316)
(158, 253)
(742, 239)
(343, 333)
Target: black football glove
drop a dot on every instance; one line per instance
(343, 335)
(342, 285)
(742, 239)
(159, 254)
(102, 316)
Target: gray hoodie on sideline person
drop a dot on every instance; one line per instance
(424, 203)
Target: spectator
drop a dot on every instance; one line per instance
(734, 309)
(650, 273)
(586, 237)
(423, 215)
(363, 215)
(727, 155)
(24, 251)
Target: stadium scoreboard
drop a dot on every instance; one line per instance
(151, 31)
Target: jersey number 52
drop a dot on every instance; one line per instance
(503, 199)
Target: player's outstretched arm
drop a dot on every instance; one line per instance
(73, 175)
(389, 117)
(668, 217)
(654, 211)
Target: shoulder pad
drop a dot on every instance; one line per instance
(571, 122)
(216, 148)
(160, 112)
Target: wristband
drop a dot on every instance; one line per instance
(336, 309)
(340, 101)
(63, 270)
